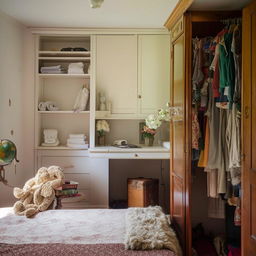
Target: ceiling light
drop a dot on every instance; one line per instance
(96, 3)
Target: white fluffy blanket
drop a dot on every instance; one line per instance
(90, 226)
(148, 228)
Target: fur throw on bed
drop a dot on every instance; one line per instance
(148, 228)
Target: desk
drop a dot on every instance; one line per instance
(91, 168)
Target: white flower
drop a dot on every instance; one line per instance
(153, 122)
(164, 115)
(102, 125)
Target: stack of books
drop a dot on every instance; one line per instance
(70, 197)
(69, 189)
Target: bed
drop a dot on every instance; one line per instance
(91, 232)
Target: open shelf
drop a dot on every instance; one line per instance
(63, 112)
(107, 115)
(62, 147)
(64, 75)
(65, 58)
(64, 53)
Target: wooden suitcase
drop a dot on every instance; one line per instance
(142, 192)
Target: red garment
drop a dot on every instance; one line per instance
(234, 251)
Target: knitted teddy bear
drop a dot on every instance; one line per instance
(39, 192)
(25, 195)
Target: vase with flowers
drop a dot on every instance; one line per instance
(102, 127)
(153, 122)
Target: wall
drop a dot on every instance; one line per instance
(199, 202)
(16, 84)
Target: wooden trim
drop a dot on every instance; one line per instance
(212, 16)
(247, 104)
(96, 31)
(178, 11)
(188, 122)
(177, 29)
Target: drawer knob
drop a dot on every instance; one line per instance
(136, 155)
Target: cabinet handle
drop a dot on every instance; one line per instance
(136, 155)
(139, 96)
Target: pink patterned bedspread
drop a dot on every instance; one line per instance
(88, 232)
(75, 250)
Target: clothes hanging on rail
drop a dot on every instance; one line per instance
(216, 85)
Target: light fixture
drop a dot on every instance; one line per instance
(96, 3)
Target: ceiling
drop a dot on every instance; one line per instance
(78, 14)
(112, 14)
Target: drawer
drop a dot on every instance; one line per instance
(159, 155)
(70, 164)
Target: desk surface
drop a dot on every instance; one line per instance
(112, 149)
(111, 152)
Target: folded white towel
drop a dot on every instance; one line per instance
(52, 71)
(76, 68)
(76, 141)
(75, 71)
(77, 146)
(77, 136)
(51, 67)
(76, 65)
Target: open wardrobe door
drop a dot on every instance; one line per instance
(249, 131)
(178, 135)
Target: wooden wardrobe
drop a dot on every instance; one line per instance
(183, 25)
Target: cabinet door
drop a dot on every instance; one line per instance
(153, 72)
(180, 164)
(249, 131)
(116, 71)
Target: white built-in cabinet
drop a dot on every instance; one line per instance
(131, 69)
(153, 72)
(91, 173)
(116, 71)
(61, 89)
(133, 72)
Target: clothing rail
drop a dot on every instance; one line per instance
(232, 21)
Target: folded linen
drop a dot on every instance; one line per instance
(51, 67)
(76, 141)
(78, 146)
(53, 72)
(77, 136)
(76, 65)
(76, 68)
(75, 71)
